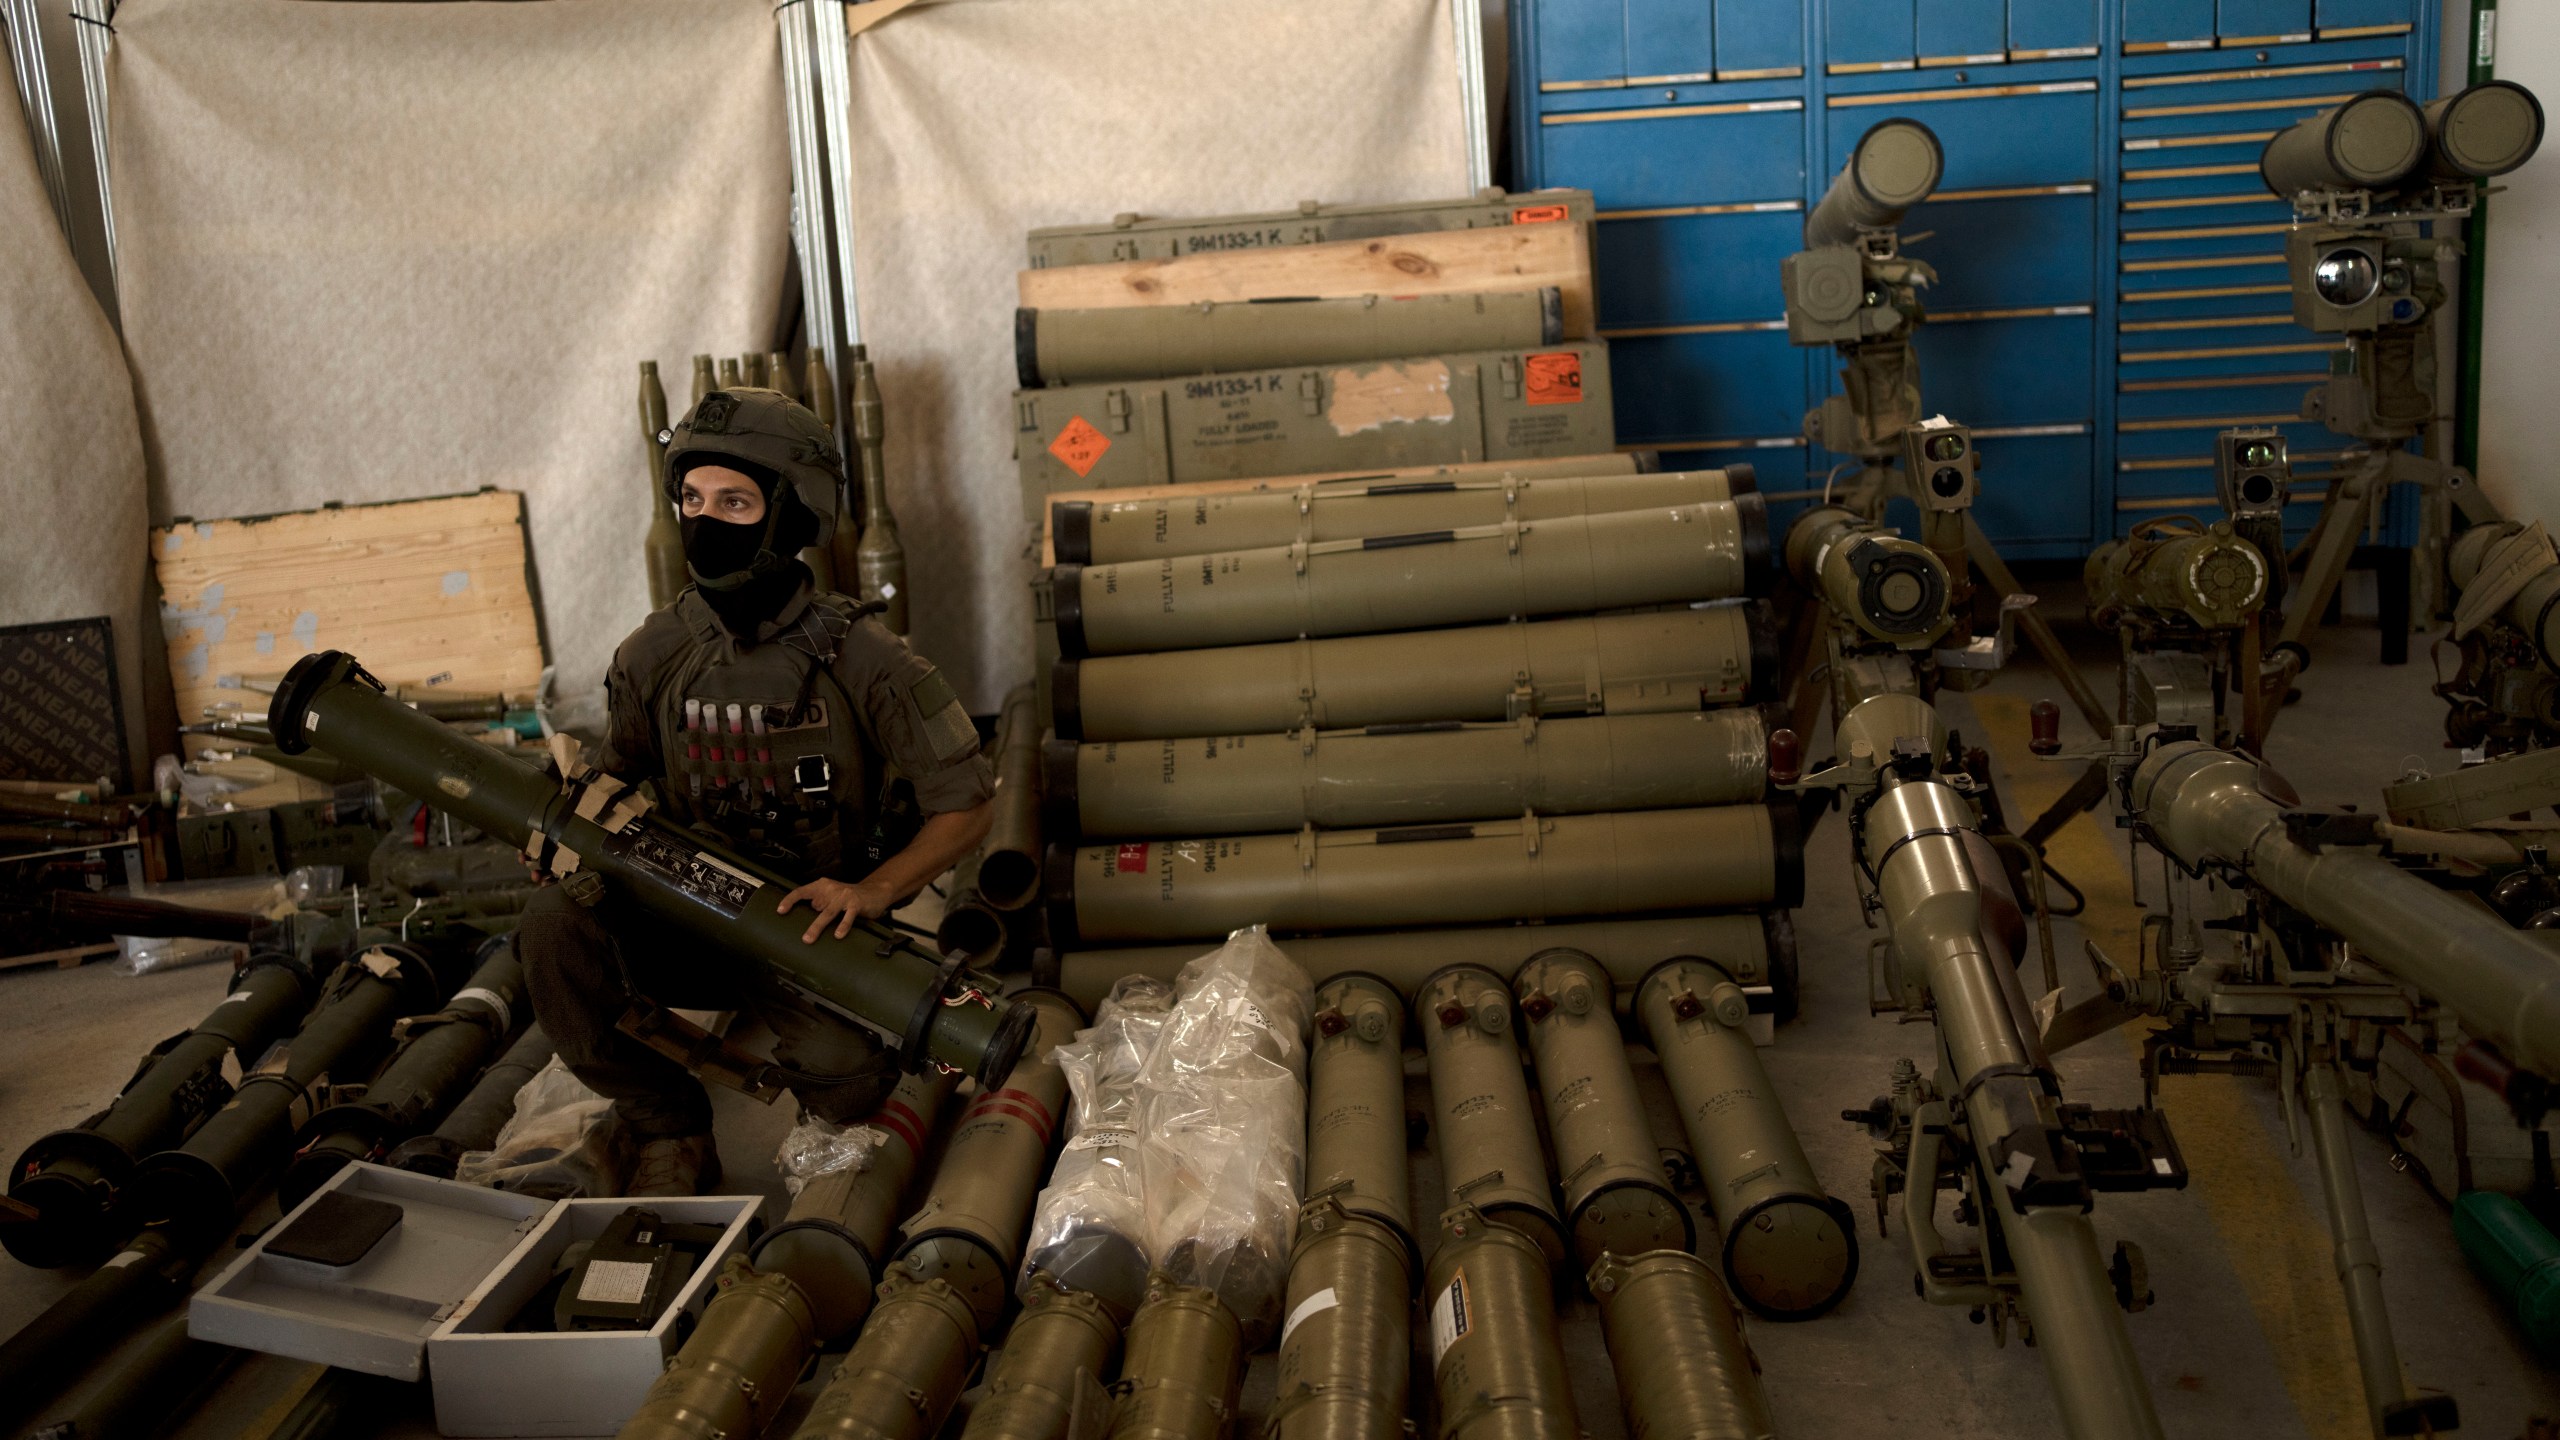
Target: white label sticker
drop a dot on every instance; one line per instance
(888, 590)
(1315, 1304)
(1449, 1322)
(616, 1282)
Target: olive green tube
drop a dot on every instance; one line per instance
(2534, 608)
(1482, 1122)
(968, 1229)
(1346, 1347)
(2207, 578)
(704, 382)
(1896, 166)
(1738, 944)
(1683, 659)
(1535, 868)
(1147, 342)
(1355, 1102)
(1572, 564)
(474, 1121)
(735, 1372)
(1790, 1251)
(756, 370)
(907, 1368)
(1893, 589)
(2209, 807)
(1496, 1356)
(1407, 774)
(1009, 873)
(715, 896)
(880, 559)
(77, 1181)
(664, 548)
(1052, 1364)
(2371, 142)
(1616, 1196)
(732, 375)
(1184, 1365)
(1684, 1370)
(1112, 532)
(969, 925)
(834, 1239)
(2482, 132)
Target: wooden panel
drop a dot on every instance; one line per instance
(1439, 262)
(431, 593)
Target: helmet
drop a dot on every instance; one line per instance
(773, 434)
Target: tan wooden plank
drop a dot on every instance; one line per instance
(1438, 262)
(426, 592)
(71, 958)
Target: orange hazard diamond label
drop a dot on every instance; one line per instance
(1537, 214)
(1079, 447)
(1554, 379)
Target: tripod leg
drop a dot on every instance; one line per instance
(2333, 543)
(1996, 572)
(2386, 1395)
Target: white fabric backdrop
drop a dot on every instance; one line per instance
(375, 252)
(976, 120)
(75, 545)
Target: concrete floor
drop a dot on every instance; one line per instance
(2246, 1338)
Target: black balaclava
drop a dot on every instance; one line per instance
(747, 572)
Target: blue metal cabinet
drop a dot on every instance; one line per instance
(1670, 42)
(1996, 137)
(2052, 29)
(2009, 370)
(2335, 16)
(1680, 155)
(2167, 25)
(1866, 35)
(2261, 22)
(2038, 492)
(1759, 39)
(1693, 269)
(2008, 251)
(1960, 32)
(1700, 389)
(1581, 43)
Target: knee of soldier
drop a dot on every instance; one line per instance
(556, 937)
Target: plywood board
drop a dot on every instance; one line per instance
(426, 593)
(1440, 262)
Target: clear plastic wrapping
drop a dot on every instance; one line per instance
(815, 1147)
(559, 1145)
(1089, 1229)
(1222, 1125)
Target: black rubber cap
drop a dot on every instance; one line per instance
(1778, 927)
(1058, 813)
(1066, 606)
(1765, 659)
(1840, 1214)
(1071, 531)
(1754, 513)
(1066, 699)
(1786, 842)
(1004, 1049)
(1741, 479)
(1058, 879)
(1026, 347)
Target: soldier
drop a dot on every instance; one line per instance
(795, 727)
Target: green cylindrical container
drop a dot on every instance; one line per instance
(2519, 1258)
(1059, 1346)
(1497, 1356)
(1346, 1348)
(2205, 578)
(2483, 131)
(2371, 142)
(1684, 1370)
(1616, 1196)
(735, 1372)
(906, 1369)
(1355, 1102)
(1184, 1364)
(1893, 589)
(1483, 1123)
(1009, 872)
(1147, 342)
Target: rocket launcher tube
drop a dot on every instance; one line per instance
(907, 1368)
(1676, 1344)
(2209, 807)
(833, 1241)
(474, 1123)
(1346, 1348)
(1355, 1103)
(1184, 1366)
(1497, 1359)
(735, 1372)
(1486, 1132)
(1572, 564)
(932, 1011)
(1009, 877)
(1616, 1196)
(1054, 1354)
(1144, 342)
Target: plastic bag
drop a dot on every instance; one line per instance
(815, 1148)
(1222, 1125)
(1088, 1230)
(307, 883)
(561, 1144)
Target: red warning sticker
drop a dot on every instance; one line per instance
(1131, 859)
(1536, 214)
(1555, 379)
(1079, 447)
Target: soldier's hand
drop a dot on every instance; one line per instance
(839, 901)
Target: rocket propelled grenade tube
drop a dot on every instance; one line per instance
(78, 1180)
(931, 1010)
(2209, 807)
(879, 559)
(1185, 1363)
(1009, 875)
(1113, 532)
(2372, 142)
(2205, 578)
(969, 925)
(1896, 166)
(836, 1237)
(1655, 660)
(2482, 132)
(1407, 774)
(1355, 1103)
(1616, 1196)
(968, 1229)
(1496, 1355)
(1533, 868)
(1346, 1351)
(1895, 590)
(1482, 1122)
(1790, 1250)
(664, 547)
(735, 1372)
(906, 1369)
(439, 1055)
(1057, 1350)
(473, 1124)
(1740, 945)
(1572, 564)
(1676, 1344)
(1146, 342)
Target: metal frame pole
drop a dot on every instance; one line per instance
(35, 96)
(835, 100)
(94, 20)
(808, 184)
(1466, 17)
